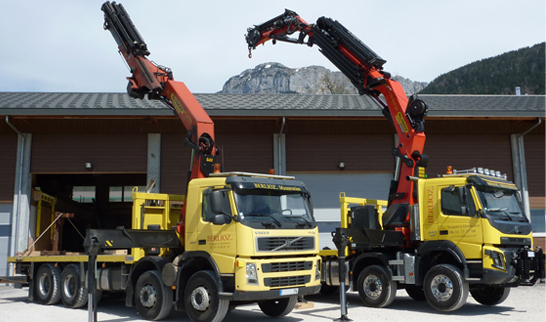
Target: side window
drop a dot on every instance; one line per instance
(207, 213)
(457, 201)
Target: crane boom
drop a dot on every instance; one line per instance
(364, 68)
(157, 82)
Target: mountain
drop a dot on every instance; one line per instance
(277, 78)
(501, 74)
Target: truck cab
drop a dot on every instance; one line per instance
(259, 230)
(480, 213)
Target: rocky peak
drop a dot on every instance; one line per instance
(277, 78)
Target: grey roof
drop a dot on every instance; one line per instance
(120, 104)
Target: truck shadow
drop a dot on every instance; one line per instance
(404, 303)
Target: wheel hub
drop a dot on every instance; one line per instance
(70, 286)
(372, 286)
(148, 296)
(45, 284)
(442, 287)
(200, 299)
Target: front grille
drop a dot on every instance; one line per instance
(287, 281)
(286, 267)
(283, 244)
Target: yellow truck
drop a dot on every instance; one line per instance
(467, 234)
(439, 238)
(234, 238)
(248, 238)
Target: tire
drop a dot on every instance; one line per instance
(445, 288)
(73, 291)
(489, 295)
(279, 307)
(416, 292)
(375, 288)
(153, 299)
(48, 284)
(202, 300)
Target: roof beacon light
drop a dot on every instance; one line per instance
(449, 170)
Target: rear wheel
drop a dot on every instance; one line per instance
(202, 300)
(375, 288)
(48, 284)
(73, 291)
(278, 307)
(445, 288)
(489, 295)
(153, 299)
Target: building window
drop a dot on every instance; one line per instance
(83, 194)
(123, 193)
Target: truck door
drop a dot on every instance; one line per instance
(458, 221)
(217, 232)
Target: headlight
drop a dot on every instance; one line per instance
(317, 271)
(251, 274)
(498, 259)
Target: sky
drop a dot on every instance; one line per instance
(60, 45)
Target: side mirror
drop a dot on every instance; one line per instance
(462, 195)
(221, 219)
(216, 202)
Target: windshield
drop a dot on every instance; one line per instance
(274, 208)
(502, 204)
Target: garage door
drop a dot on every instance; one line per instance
(325, 189)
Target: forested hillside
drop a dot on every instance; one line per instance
(524, 67)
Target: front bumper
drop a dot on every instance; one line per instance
(255, 296)
(522, 267)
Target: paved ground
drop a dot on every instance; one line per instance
(524, 304)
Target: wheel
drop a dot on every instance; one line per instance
(375, 288)
(328, 290)
(278, 307)
(445, 288)
(202, 300)
(73, 291)
(153, 299)
(489, 295)
(416, 292)
(48, 284)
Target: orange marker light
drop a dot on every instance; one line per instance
(217, 168)
(449, 170)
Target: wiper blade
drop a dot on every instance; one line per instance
(501, 210)
(307, 222)
(277, 222)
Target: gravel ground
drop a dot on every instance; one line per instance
(524, 304)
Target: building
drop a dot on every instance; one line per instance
(90, 149)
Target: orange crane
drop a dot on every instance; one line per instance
(157, 82)
(364, 68)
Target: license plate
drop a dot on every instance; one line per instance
(530, 254)
(289, 291)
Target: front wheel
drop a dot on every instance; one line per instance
(375, 288)
(279, 307)
(202, 300)
(445, 287)
(153, 299)
(489, 295)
